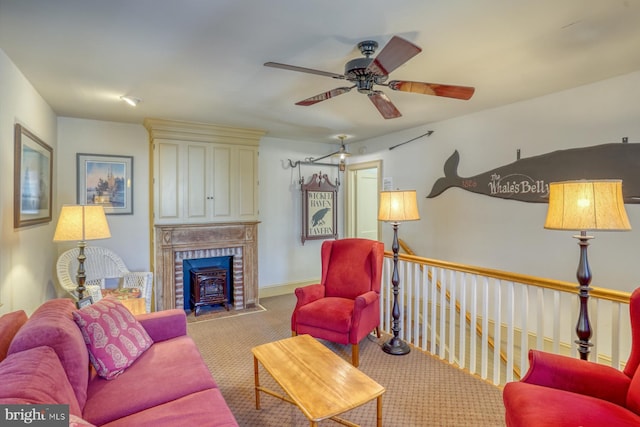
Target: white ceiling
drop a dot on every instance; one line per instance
(202, 60)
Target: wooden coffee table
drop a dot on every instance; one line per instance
(315, 379)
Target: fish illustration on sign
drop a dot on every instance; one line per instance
(528, 179)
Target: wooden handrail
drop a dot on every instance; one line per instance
(557, 285)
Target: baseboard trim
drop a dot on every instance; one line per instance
(287, 288)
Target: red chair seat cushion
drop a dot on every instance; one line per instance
(538, 406)
(332, 313)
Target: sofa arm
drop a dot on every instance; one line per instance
(577, 376)
(165, 324)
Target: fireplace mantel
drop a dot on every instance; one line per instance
(174, 239)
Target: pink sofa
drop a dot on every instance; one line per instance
(47, 362)
(562, 391)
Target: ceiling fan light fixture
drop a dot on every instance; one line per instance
(366, 72)
(131, 100)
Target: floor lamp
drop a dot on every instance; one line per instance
(396, 207)
(81, 223)
(583, 206)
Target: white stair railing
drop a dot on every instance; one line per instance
(484, 321)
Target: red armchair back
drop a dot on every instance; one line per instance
(345, 306)
(351, 267)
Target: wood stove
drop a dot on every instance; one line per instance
(208, 287)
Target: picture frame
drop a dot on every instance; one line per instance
(105, 180)
(32, 179)
(319, 209)
(84, 302)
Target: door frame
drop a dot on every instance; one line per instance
(351, 194)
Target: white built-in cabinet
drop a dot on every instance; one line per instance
(203, 173)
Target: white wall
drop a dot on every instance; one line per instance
(26, 255)
(282, 258)
(458, 225)
(129, 233)
(464, 227)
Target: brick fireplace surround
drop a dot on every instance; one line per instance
(177, 242)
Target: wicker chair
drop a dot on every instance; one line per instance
(101, 264)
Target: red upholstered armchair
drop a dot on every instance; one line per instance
(345, 306)
(563, 391)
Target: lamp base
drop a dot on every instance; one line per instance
(396, 347)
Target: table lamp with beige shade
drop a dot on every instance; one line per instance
(81, 223)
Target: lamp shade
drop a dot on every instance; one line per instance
(398, 206)
(586, 205)
(79, 222)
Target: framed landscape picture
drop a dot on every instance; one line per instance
(32, 177)
(319, 210)
(106, 180)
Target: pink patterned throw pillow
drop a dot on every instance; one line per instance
(114, 338)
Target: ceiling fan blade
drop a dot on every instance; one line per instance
(384, 105)
(324, 96)
(450, 91)
(303, 70)
(394, 54)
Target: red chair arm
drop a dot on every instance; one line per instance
(310, 293)
(577, 376)
(306, 295)
(366, 315)
(364, 300)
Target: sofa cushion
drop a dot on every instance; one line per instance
(114, 338)
(168, 370)
(204, 408)
(75, 421)
(36, 376)
(52, 325)
(530, 405)
(9, 325)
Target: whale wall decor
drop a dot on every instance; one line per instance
(527, 180)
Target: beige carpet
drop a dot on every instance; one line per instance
(218, 312)
(421, 389)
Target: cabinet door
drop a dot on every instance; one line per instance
(167, 181)
(197, 192)
(247, 180)
(222, 182)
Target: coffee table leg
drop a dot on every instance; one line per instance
(256, 379)
(379, 411)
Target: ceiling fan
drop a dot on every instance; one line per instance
(367, 72)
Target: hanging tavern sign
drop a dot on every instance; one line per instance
(528, 179)
(319, 209)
